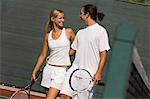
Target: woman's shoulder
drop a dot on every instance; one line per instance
(70, 33)
(69, 29)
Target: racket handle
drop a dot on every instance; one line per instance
(101, 83)
(37, 75)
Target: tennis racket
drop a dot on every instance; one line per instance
(24, 93)
(81, 81)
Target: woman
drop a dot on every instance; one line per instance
(57, 39)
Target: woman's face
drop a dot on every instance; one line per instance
(59, 20)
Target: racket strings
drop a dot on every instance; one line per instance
(81, 77)
(81, 80)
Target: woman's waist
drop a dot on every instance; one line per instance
(63, 66)
(59, 62)
(59, 54)
(58, 59)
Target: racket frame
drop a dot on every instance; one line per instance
(20, 90)
(72, 75)
(86, 89)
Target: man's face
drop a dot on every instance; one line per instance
(82, 15)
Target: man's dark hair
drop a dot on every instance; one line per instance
(92, 10)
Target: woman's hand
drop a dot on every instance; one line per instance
(33, 76)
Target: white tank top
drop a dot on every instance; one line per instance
(59, 49)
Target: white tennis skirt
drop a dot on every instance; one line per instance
(53, 76)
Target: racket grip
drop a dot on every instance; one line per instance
(101, 83)
(38, 73)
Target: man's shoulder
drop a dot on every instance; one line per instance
(81, 30)
(101, 27)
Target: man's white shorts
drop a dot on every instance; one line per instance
(68, 91)
(53, 76)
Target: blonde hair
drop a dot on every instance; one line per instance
(53, 14)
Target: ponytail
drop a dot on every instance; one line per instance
(100, 16)
(48, 26)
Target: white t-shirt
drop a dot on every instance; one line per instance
(88, 43)
(59, 49)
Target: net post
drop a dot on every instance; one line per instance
(120, 62)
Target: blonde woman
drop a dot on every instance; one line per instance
(57, 39)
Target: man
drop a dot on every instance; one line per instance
(91, 46)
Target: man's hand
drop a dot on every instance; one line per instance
(97, 78)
